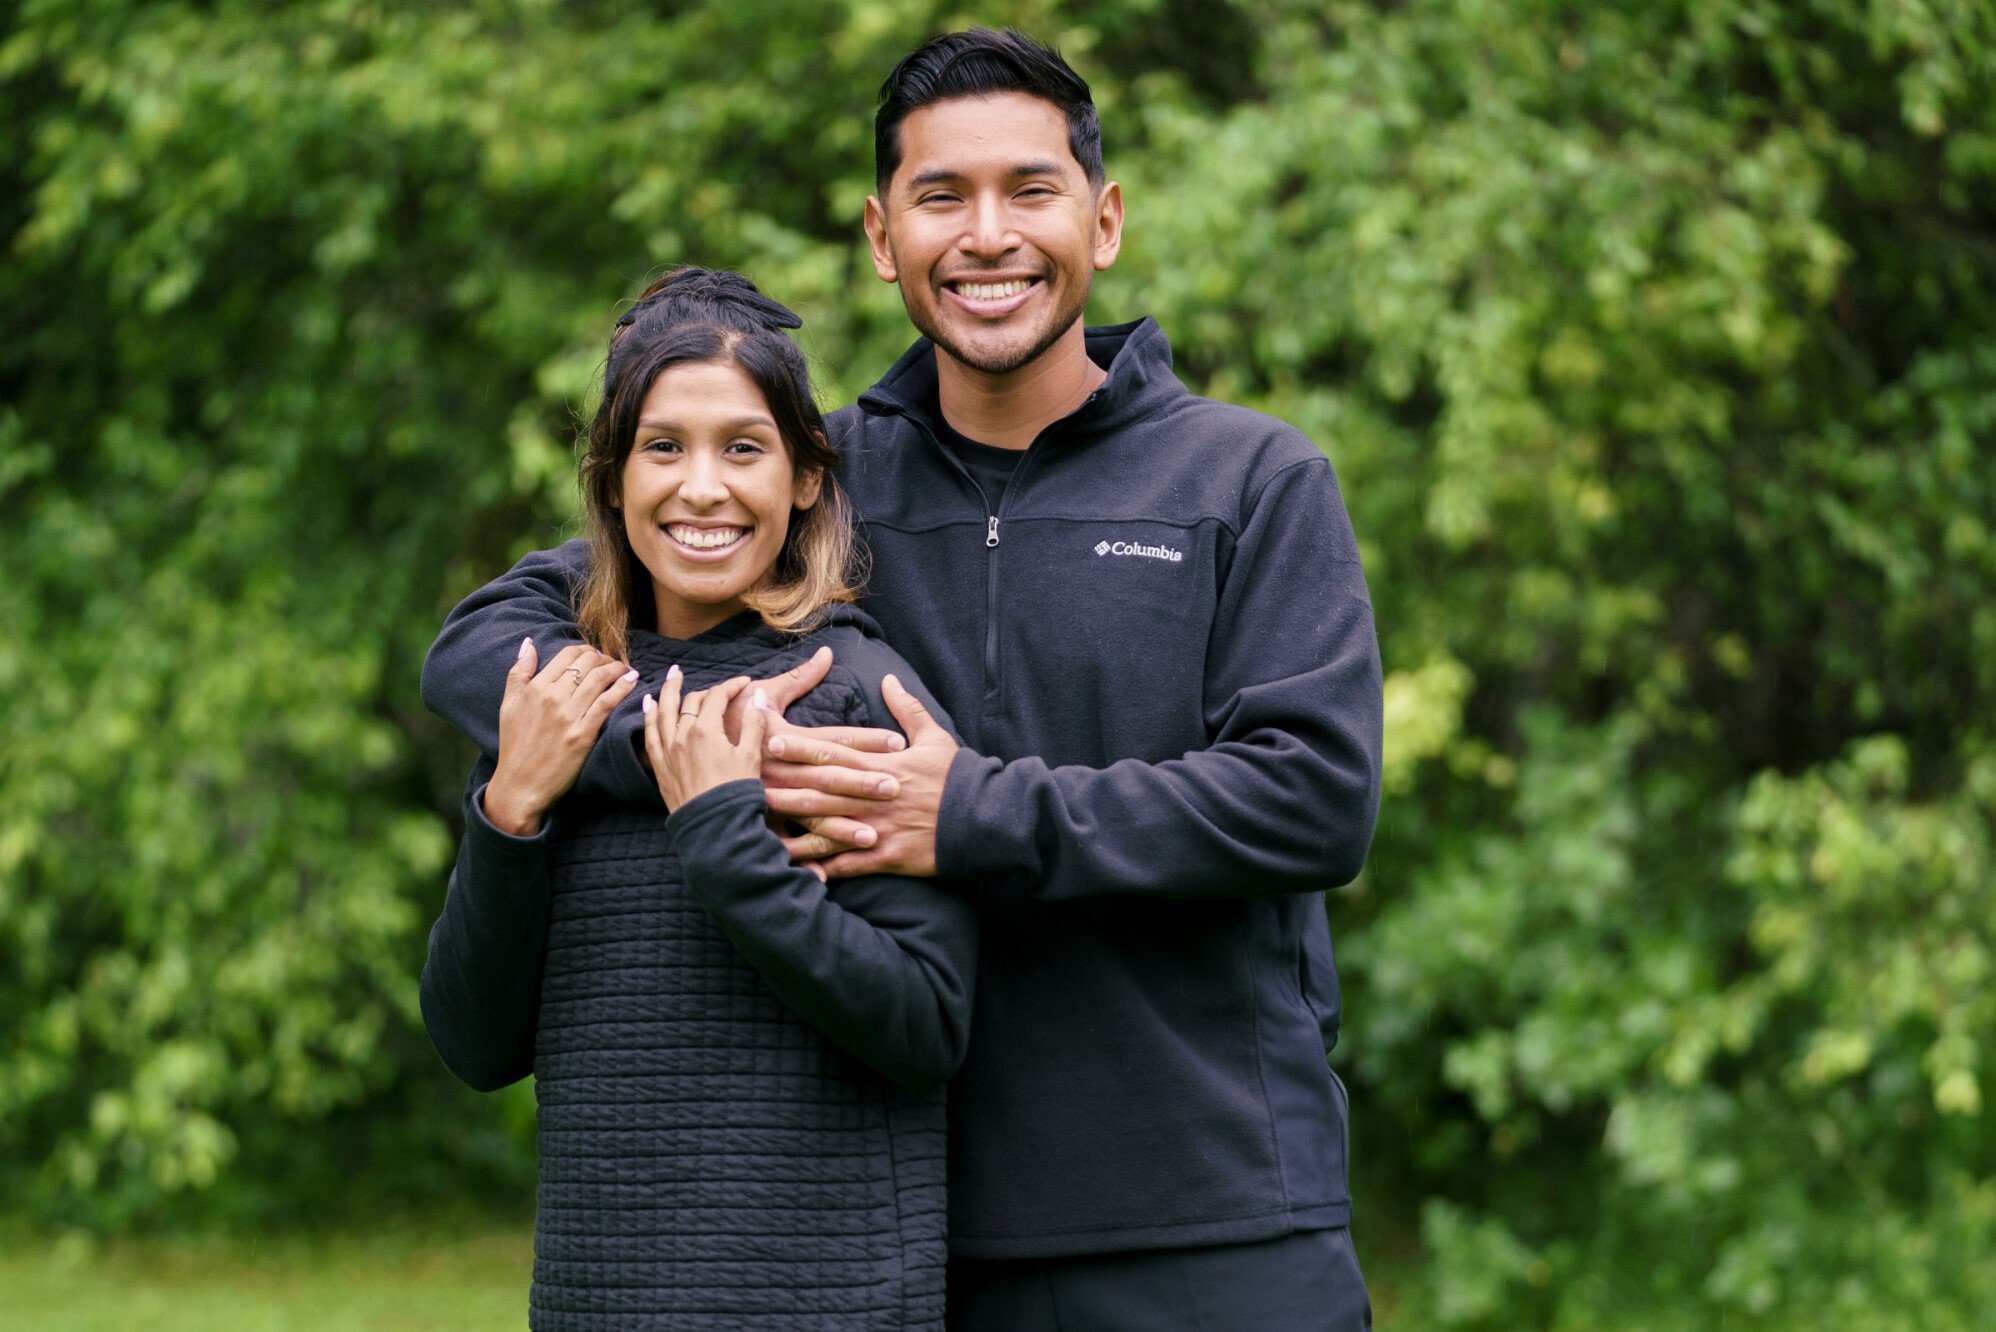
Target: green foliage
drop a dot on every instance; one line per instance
(1655, 343)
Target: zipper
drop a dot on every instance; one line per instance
(991, 519)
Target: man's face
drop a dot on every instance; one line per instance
(991, 228)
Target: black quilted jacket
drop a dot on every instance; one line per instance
(738, 1070)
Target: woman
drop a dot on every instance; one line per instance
(738, 1070)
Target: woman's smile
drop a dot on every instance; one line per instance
(706, 542)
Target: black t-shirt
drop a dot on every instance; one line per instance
(991, 465)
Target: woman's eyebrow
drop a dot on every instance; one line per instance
(674, 427)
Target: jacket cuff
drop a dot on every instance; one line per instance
(498, 842)
(623, 736)
(977, 827)
(686, 825)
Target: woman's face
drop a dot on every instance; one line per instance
(708, 489)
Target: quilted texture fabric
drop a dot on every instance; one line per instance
(707, 1160)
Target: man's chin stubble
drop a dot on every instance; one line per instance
(1000, 365)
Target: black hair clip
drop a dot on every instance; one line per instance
(709, 292)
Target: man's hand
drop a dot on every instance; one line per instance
(829, 833)
(844, 793)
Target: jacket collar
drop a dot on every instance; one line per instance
(1137, 356)
(740, 640)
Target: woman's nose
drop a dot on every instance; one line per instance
(703, 485)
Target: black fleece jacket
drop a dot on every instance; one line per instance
(1159, 650)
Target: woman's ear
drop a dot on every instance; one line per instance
(809, 486)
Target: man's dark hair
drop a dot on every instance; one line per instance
(979, 62)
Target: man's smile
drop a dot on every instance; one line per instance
(989, 297)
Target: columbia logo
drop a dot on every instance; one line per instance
(1165, 553)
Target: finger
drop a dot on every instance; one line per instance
(654, 736)
(714, 703)
(574, 657)
(799, 680)
(525, 663)
(915, 719)
(809, 746)
(848, 864)
(755, 724)
(668, 709)
(811, 846)
(844, 834)
(610, 699)
(598, 678)
(802, 802)
(866, 739)
(859, 783)
(592, 684)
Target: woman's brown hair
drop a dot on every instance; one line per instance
(702, 315)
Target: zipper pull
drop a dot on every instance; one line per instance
(991, 532)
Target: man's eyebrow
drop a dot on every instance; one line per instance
(947, 176)
(726, 427)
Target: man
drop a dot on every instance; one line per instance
(1145, 613)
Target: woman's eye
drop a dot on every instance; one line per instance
(661, 446)
(744, 447)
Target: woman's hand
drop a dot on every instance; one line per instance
(687, 739)
(547, 725)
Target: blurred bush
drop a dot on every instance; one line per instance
(1655, 343)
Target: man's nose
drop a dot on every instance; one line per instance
(989, 232)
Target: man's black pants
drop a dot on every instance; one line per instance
(1305, 1282)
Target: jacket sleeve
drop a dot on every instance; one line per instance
(464, 673)
(481, 986)
(882, 966)
(1283, 797)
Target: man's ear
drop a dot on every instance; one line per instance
(876, 238)
(1108, 225)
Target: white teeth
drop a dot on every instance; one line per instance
(706, 538)
(993, 291)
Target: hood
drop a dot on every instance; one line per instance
(1137, 356)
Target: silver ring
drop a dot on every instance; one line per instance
(576, 671)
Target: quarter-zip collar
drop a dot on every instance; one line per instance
(1136, 355)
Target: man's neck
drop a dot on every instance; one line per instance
(1010, 410)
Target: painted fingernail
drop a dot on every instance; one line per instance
(761, 700)
(627, 676)
(651, 705)
(525, 643)
(674, 673)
